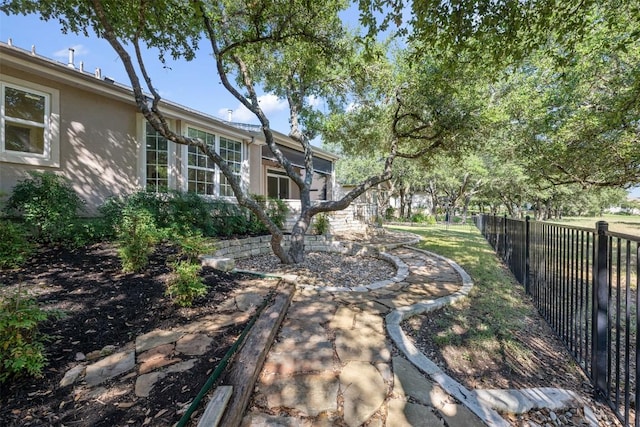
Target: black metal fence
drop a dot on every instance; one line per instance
(584, 282)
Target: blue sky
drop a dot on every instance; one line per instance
(194, 84)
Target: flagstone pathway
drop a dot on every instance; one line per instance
(333, 363)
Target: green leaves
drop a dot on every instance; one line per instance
(22, 349)
(49, 206)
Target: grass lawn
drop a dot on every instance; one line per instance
(627, 224)
(496, 293)
(494, 338)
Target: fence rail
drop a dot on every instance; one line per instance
(584, 282)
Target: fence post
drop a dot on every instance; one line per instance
(504, 237)
(526, 253)
(600, 331)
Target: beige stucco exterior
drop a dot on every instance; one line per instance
(99, 142)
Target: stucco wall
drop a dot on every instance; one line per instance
(98, 150)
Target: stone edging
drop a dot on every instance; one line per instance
(377, 250)
(483, 403)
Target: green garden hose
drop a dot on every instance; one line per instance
(225, 360)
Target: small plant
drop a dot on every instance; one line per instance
(322, 225)
(22, 347)
(191, 245)
(185, 284)
(137, 237)
(15, 249)
(49, 205)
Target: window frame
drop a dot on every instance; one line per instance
(218, 175)
(279, 174)
(222, 180)
(156, 164)
(212, 170)
(51, 126)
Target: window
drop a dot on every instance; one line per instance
(200, 169)
(277, 184)
(231, 151)
(29, 123)
(157, 161)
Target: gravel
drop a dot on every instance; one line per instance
(325, 269)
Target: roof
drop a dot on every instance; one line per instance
(94, 82)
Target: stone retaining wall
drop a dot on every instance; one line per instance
(261, 245)
(353, 218)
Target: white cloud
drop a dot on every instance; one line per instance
(351, 107)
(269, 104)
(77, 49)
(314, 101)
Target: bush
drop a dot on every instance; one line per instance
(189, 212)
(49, 207)
(114, 207)
(322, 225)
(276, 209)
(389, 213)
(185, 284)
(421, 218)
(22, 347)
(137, 237)
(15, 249)
(191, 245)
(228, 218)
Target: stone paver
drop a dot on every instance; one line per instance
(156, 338)
(110, 367)
(363, 392)
(193, 344)
(308, 394)
(145, 383)
(332, 361)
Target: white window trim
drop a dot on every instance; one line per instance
(240, 164)
(277, 173)
(142, 156)
(51, 155)
(217, 172)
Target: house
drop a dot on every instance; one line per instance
(57, 117)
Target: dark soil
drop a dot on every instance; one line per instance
(106, 307)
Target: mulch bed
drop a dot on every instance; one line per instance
(103, 307)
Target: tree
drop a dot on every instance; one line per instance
(416, 109)
(294, 49)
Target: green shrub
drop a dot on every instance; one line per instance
(15, 249)
(322, 225)
(49, 206)
(389, 213)
(113, 208)
(137, 237)
(189, 212)
(22, 347)
(191, 245)
(228, 218)
(185, 284)
(276, 209)
(421, 218)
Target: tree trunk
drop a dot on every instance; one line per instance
(299, 230)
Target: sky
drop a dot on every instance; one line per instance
(193, 84)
